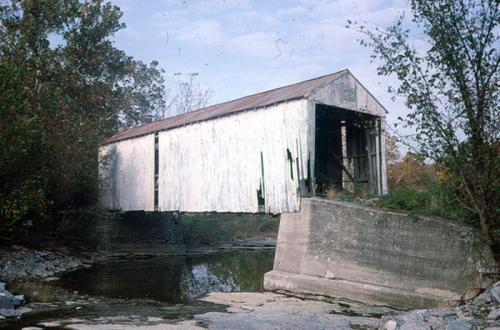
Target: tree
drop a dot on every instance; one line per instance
(190, 96)
(411, 172)
(64, 88)
(452, 90)
(391, 148)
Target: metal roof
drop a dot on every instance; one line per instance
(282, 94)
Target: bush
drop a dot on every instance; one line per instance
(434, 201)
(411, 171)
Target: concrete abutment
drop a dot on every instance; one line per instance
(349, 251)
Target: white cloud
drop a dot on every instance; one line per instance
(250, 18)
(295, 10)
(126, 6)
(257, 44)
(244, 46)
(257, 33)
(202, 32)
(213, 6)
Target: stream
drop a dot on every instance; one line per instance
(164, 287)
(174, 279)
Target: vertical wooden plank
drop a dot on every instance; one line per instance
(383, 156)
(370, 160)
(216, 165)
(312, 142)
(132, 172)
(378, 156)
(156, 172)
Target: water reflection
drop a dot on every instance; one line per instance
(174, 279)
(199, 279)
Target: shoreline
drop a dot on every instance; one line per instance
(220, 310)
(22, 263)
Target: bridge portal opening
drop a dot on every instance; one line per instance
(346, 149)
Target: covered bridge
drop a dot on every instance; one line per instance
(258, 153)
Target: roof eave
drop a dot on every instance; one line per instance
(112, 140)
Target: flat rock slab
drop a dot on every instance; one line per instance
(114, 325)
(276, 311)
(245, 311)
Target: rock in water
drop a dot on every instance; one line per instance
(9, 312)
(9, 303)
(7, 300)
(19, 299)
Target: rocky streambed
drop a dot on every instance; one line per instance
(22, 263)
(215, 288)
(132, 288)
(483, 312)
(247, 310)
(22, 268)
(276, 311)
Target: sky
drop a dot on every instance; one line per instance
(241, 47)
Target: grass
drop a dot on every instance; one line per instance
(433, 201)
(41, 292)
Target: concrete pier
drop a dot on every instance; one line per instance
(379, 257)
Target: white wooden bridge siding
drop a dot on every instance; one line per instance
(348, 93)
(127, 175)
(215, 165)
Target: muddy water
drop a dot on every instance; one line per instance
(165, 288)
(175, 279)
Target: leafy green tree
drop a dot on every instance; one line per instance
(451, 86)
(64, 88)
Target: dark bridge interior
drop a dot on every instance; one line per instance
(345, 151)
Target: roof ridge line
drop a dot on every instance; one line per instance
(123, 135)
(328, 82)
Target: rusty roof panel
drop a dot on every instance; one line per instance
(290, 92)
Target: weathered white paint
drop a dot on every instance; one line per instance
(378, 161)
(127, 174)
(348, 93)
(216, 165)
(383, 157)
(311, 135)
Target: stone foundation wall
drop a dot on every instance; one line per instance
(139, 232)
(205, 229)
(172, 232)
(350, 251)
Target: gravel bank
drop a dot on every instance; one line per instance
(20, 263)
